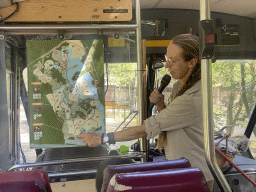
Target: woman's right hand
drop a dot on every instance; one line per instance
(90, 139)
(158, 99)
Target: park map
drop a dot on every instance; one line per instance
(66, 91)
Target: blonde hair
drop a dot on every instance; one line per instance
(190, 46)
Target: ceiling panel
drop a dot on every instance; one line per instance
(245, 8)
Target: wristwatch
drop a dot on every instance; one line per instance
(104, 138)
(107, 138)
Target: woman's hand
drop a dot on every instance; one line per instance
(90, 139)
(158, 99)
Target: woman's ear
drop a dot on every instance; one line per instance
(192, 63)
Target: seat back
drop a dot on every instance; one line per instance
(25, 181)
(22, 186)
(174, 180)
(111, 170)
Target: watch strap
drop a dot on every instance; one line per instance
(111, 138)
(102, 138)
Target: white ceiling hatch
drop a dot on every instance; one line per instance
(246, 8)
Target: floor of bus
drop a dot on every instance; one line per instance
(76, 186)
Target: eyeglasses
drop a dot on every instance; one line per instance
(169, 60)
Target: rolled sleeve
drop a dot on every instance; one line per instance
(181, 113)
(152, 127)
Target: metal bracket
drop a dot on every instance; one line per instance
(62, 35)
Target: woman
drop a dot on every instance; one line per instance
(179, 124)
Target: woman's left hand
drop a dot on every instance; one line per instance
(90, 139)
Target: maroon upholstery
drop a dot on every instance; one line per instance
(22, 186)
(173, 180)
(111, 170)
(25, 181)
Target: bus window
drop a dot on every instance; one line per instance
(121, 98)
(234, 98)
(29, 154)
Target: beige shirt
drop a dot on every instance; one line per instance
(182, 119)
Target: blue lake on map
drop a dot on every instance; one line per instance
(93, 90)
(73, 71)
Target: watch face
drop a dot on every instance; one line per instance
(105, 139)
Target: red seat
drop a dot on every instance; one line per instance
(173, 180)
(111, 170)
(25, 181)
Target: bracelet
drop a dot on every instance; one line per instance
(111, 138)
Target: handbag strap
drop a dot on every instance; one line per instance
(226, 136)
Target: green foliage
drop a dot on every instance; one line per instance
(233, 92)
(122, 74)
(123, 150)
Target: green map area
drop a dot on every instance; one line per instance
(66, 91)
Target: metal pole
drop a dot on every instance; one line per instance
(17, 105)
(207, 109)
(143, 141)
(5, 153)
(38, 27)
(71, 161)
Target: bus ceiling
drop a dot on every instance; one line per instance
(235, 27)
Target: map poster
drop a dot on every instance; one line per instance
(66, 91)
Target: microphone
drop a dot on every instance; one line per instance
(164, 82)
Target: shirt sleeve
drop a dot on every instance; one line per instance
(178, 114)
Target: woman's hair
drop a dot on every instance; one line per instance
(190, 46)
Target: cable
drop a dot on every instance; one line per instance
(15, 11)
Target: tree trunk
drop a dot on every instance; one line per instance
(244, 98)
(230, 109)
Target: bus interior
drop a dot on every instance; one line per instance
(123, 44)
